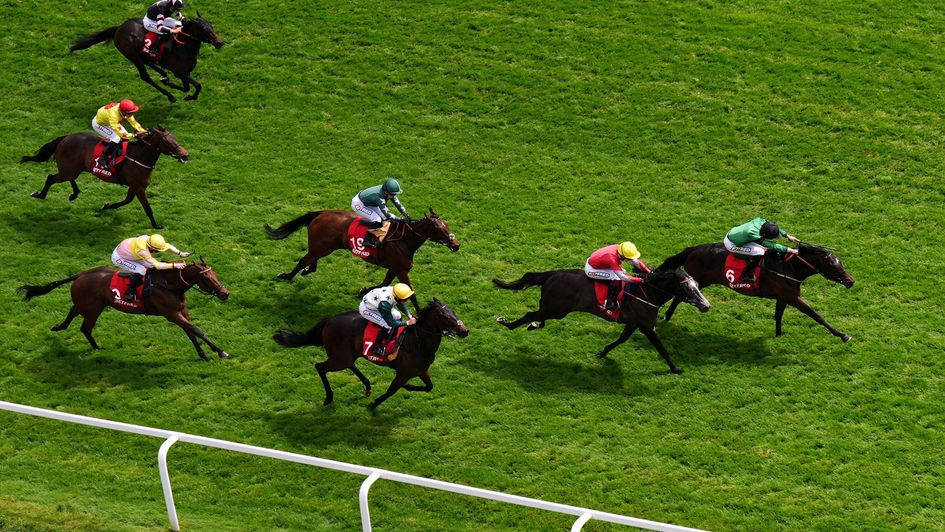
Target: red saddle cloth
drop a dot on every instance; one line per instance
(150, 39)
(356, 233)
(107, 172)
(600, 290)
(734, 266)
(118, 286)
(370, 336)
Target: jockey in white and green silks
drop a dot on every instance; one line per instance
(371, 203)
(386, 307)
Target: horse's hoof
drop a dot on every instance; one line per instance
(284, 277)
(204, 357)
(677, 371)
(171, 98)
(327, 401)
(37, 195)
(73, 197)
(602, 354)
(533, 325)
(367, 392)
(846, 337)
(56, 328)
(190, 98)
(223, 354)
(502, 319)
(165, 81)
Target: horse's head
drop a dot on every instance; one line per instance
(166, 143)
(440, 317)
(202, 30)
(433, 227)
(203, 276)
(826, 263)
(681, 285)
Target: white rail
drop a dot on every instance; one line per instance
(373, 474)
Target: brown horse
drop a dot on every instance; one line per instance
(328, 231)
(74, 155)
(341, 336)
(780, 279)
(567, 291)
(91, 295)
(180, 57)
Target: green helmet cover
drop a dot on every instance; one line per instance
(392, 186)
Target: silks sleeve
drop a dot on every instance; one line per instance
(400, 206)
(134, 123)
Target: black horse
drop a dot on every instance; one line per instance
(780, 279)
(180, 57)
(566, 291)
(341, 336)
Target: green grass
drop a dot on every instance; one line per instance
(539, 132)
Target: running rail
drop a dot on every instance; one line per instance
(373, 474)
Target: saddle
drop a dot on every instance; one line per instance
(119, 285)
(357, 232)
(391, 348)
(154, 46)
(100, 171)
(734, 267)
(600, 291)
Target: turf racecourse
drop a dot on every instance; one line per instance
(538, 131)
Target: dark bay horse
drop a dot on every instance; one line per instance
(780, 279)
(566, 291)
(328, 231)
(74, 155)
(180, 56)
(91, 295)
(341, 336)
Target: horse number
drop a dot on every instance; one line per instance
(730, 275)
(147, 43)
(367, 345)
(357, 243)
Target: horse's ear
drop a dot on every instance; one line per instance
(199, 15)
(160, 127)
(433, 213)
(202, 260)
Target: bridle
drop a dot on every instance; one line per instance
(404, 227)
(646, 298)
(144, 140)
(180, 273)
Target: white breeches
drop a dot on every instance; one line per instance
(373, 316)
(105, 132)
(161, 27)
(603, 275)
(136, 266)
(752, 249)
(371, 213)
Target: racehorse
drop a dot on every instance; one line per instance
(74, 155)
(780, 279)
(180, 57)
(91, 295)
(328, 231)
(566, 291)
(341, 336)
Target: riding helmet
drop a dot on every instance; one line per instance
(157, 242)
(628, 250)
(402, 291)
(391, 186)
(127, 107)
(770, 230)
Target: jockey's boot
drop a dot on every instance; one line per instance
(105, 156)
(748, 274)
(380, 342)
(613, 290)
(133, 285)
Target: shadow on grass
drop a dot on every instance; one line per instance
(73, 367)
(59, 224)
(346, 421)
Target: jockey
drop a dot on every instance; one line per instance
(604, 265)
(385, 307)
(107, 123)
(372, 204)
(159, 19)
(134, 255)
(750, 241)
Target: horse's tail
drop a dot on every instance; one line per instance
(94, 38)
(291, 226)
(291, 338)
(677, 260)
(529, 279)
(44, 153)
(31, 291)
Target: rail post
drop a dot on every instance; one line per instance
(166, 482)
(362, 500)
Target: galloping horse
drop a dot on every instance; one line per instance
(328, 231)
(74, 155)
(341, 336)
(780, 279)
(180, 57)
(566, 291)
(91, 295)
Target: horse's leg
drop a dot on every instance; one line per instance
(802, 306)
(627, 331)
(655, 340)
(75, 190)
(535, 315)
(178, 318)
(364, 380)
(188, 80)
(425, 377)
(51, 179)
(399, 380)
(322, 369)
(73, 312)
(672, 308)
(128, 197)
(143, 74)
(142, 195)
(309, 260)
(387, 279)
(779, 307)
(200, 334)
(88, 322)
